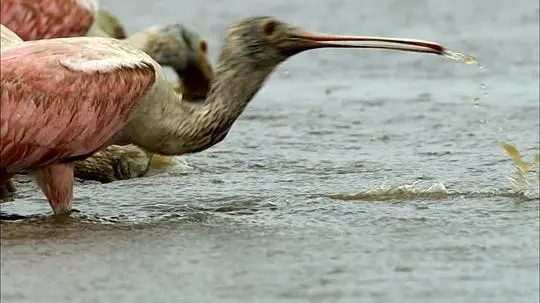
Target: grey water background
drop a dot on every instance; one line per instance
(308, 199)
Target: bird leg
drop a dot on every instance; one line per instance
(6, 184)
(56, 182)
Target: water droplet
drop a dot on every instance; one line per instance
(483, 88)
(476, 102)
(459, 57)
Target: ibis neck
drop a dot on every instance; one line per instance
(233, 87)
(165, 124)
(193, 84)
(210, 119)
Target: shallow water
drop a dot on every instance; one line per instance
(309, 198)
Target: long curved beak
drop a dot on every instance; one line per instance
(311, 40)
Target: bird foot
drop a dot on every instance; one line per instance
(7, 187)
(67, 212)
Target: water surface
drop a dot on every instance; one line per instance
(309, 198)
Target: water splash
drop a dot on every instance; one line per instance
(405, 192)
(160, 161)
(468, 59)
(435, 191)
(521, 181)
(160, 164)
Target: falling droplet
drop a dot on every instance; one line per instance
(476, 102)
(459, 57)
(483, 88)
(467, 59)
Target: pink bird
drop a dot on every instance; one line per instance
(44, 19)
(63, 99)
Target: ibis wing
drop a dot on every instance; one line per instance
(36, 19)
(61, 100)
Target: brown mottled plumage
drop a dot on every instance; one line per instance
(109, 24)
(165, 123)
(252, 49)
(180, 48)
(127, 162)
(115, 162)
(7, 187)
(171, 45)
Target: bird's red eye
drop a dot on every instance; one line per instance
(269, 28)
(203, 46)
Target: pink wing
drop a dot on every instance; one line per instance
(51, 113)
(44, 19)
